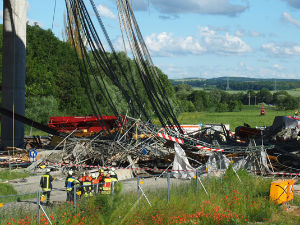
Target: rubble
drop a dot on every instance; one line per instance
(14, 156)
(143, 145)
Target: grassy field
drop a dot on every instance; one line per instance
(228, 202)
(250, 115)
(7, 189)
(5, 174)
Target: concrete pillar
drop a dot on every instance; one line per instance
(13, 70)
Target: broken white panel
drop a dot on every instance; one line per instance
(249, 163)
(217, 162)
(181, 166)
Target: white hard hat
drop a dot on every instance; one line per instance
(70, 172)
(113, 169)
(48, 170)
(94, 176)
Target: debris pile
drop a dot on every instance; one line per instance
(145, 145)
(140, 144)
(14, 157)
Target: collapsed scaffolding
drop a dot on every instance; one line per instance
(150, 147)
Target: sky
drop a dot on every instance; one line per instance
(202, 38)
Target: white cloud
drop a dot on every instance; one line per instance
(281, 49)
(206, 31)
(220, 7)
(277, 67)
(1, 14)
(106, 12)
(239, 33)
(290, 19)
(208, 41)
(165, 44)
(223, 44)
(255, 34)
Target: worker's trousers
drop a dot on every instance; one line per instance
(70, 196)
(47, 193)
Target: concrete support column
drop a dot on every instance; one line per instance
(14, 69)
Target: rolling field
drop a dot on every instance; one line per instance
(249, 115)
(294, 92)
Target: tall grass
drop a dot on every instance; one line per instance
(229, 201)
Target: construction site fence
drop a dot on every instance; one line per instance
(70, 165)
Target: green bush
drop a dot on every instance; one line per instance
(222, 107)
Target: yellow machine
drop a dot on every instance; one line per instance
(281, 191)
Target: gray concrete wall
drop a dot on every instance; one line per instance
(13, 71)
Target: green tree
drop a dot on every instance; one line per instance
(264, 95)
(183, 91)
(52, 69)
(222, 107)
(40, 109)
(200, 99)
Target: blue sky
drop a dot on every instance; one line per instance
(204, 38)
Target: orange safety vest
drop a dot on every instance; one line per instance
(95, 181)
(85, 178)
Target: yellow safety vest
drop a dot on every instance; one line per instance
(87, 185)
(107, 186)
(47, 177)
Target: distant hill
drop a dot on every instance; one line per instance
(239, 83)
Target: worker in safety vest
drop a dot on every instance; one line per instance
(296, 112)
(101, 178)
(262, 111)
(46, 185)
(101, 175)
(86, 182)
(107, 184)
(95, 183)
(70, 182)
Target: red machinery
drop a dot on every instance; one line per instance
(87, 124)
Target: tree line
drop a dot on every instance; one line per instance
(240, 84)
(191, 100)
